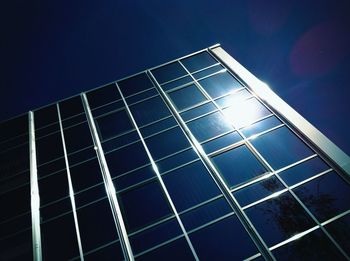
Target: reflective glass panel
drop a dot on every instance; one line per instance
(169, 72)
(103, 95)
(233, 98)
(149, 111)
(279, 218)
(340, 231)
(209, 126)
(238, 165)
(177, 83)
(209, 71)
(221, 142)
(186, 97)
(245, 112)
(223, 240)
(190, 185)
(258, 191)
(261, 126)
(281, 147)
(174, 140)
(220, 84)
(313, 246)
(325, 196)
(198, 111)
(143, 206)
(135, 84)
(303, 171)
(198, 61)
(113, 124)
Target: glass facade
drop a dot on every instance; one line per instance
(183, 160)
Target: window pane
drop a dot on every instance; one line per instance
(45, 116)
(209, 71)
(178, 249)
(222, 142)
(261, 126)
(135, 84)
(177, 160)
(245, 112)
(143, 206)
(113, 124)
(233, 98)
(258, 191)
(126, 159)
(169, 72)
(177, 83)
(325, 196)
(53, 187)
(103, 95)
(303, 171)
(110, 252)
(86, 175)
(22, 198)
(78, 137)
(158, 126)
(198, 61)
(149, 111)
(190, 185)
(14, 127)
(116, 105)
(313, 246)
(59, 239)
(142, 95)
(198, 111)
(9, 247)
(238, 165)
(89, 195)
(206, 213)
(279, 218)
(71, 107)
(174, 140)
(340, 231)
(220, 84)
(186, 97)
(49, 148)
(120, 141)
(96, 225)
(134, 177)
(223, 240)
(155, 235)
(209, 126)
(281, 147)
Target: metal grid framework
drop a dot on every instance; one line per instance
(188, 158)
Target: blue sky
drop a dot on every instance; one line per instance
(52, 50)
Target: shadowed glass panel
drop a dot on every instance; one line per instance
(71, 107)
(340, 231)
(313, 246)
(238, 165)
(325, 196)
(110, 252)
(279, 218)
(258, 191)
(103, 95)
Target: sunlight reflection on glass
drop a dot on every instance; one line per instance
(241, 113)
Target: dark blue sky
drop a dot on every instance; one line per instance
(53, 49)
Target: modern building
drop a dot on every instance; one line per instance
(195, 159)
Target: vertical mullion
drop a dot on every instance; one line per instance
(34, 191)
(70, 185)
(160, 179)
(111, 193)
(216, 176)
